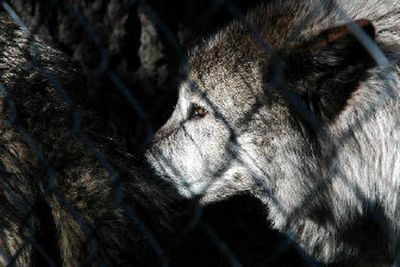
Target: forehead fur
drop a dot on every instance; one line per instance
(253, 38)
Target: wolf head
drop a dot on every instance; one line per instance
(256, 97)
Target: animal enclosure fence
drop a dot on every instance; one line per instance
(158, 56)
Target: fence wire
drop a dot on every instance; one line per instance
(124, 232)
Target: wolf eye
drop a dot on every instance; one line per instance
(197, 112)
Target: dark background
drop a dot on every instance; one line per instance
(137, 47)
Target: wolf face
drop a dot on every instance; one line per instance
(277, 105)
(201, 123)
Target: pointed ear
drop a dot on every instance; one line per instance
(327, 69)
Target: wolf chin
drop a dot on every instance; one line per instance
(297, 103)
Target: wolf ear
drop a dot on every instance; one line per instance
(327, 69)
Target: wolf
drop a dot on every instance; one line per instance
(297, 103)
(69, 194)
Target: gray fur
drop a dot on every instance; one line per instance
(318, 147)
(56, 195)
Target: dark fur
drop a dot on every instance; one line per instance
(56, 196)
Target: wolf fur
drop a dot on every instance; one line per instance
(298, 104)
(65, 200)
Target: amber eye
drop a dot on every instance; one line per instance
(198, 112)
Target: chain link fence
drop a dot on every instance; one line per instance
(75, 123)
